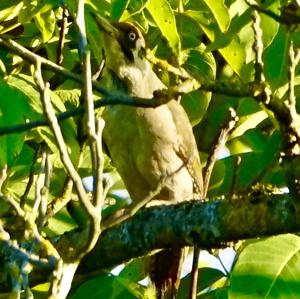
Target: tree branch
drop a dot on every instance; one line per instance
(207, 225)
(288, 16)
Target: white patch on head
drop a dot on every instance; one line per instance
(138, 75)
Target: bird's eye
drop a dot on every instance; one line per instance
(132, 35)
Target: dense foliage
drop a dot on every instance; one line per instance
(245, 57)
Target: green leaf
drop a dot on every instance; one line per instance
(220, 293)
(40, 291)
(272, 149)
(9, 9)
(199, 16)
(99, 287)
(31, 8)
(117, 8)
(14, 109)
(59, 224)
(46, 24)
(70, 97)
(248, 122)
(220, 13)
(163, 15)
(268, 268)
(276, 60)
(78, 214)
(189, 31)
(125, 288)
(26, 85)
(201, 65)
(222, 177)
(268, 25)
(218, 176)
(207, 276)
(134, 270)
(195, 104)
(93, 34)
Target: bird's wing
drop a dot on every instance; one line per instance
(188, 150)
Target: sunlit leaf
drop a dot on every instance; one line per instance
(9, 9)
(267, 269)
(220, 13)
(46, 24)
(248, 122)
(163, 15)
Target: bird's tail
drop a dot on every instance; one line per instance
(165, 270)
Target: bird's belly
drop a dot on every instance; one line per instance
(143, 145)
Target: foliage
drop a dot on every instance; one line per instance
(219, 45)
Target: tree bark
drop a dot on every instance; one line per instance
(208, 225)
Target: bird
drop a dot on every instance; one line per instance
(149, 147)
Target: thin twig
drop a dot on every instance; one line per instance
(93, 228)
(136, 206)
(294, 58)
(87, 73)
(42, 188)
(211, 160)
(222, 264)
(288, 19)
(62, 34)
(132, 210)
(3, 176)
(94, 137)
(39, 184)
(194, 273)
(33, 58)
(221, 140)
(30, 178)
(59, 202)
(221, 87)
(99, 195)
(65, 158)
(31, 227)
(117, 99)
(258, 48)
(11, 248)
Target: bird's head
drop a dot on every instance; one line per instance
(123, 43)
(125, 48)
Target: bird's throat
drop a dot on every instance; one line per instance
(140, 79)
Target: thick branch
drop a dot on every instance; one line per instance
(208, 225)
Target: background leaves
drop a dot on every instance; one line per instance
(213, 41)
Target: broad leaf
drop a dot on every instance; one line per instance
(220, 13)
(46, 24)
(163, 15)
(207, 276)
(14, 109)
(117, 8)
(268, 268)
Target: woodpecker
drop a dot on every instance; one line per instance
(148, 146)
